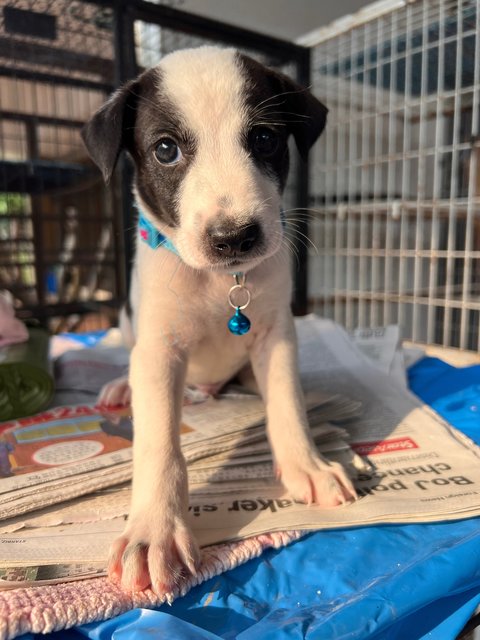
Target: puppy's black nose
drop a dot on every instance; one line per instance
(229, 241)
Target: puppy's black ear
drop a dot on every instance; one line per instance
(308, 129)
(110, 128)
(306, 116)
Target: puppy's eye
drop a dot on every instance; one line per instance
(167, 151)
(264, 141)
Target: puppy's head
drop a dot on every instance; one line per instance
(207, 130)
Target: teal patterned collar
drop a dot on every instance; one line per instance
(151, 236)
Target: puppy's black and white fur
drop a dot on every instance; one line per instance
(207, 130)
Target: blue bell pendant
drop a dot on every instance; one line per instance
(239, 324)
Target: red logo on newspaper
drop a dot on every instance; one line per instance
(384, 446)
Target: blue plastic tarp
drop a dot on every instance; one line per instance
(404, 582)
(453, 393)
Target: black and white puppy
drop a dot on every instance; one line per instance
(207, 130)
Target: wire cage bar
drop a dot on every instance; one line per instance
(395, 206)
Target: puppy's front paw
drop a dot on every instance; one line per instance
(115, 393)
(311, 479)
(152, 551)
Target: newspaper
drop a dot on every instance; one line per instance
(60, 454)
(413, 468)
(383, 347)
(72, 451)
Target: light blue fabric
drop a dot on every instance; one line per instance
(90, 339)
(409, 582)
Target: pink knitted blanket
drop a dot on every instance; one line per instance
(61, 606)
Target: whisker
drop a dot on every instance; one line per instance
(300, 222)
(300, 210)
(279, 95)
(293, 251)
(297, 229)
(290, 247)
(300, 239)
(256, 123)
(260, 123)
(264, 113)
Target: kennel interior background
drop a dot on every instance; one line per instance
(66, 241)
(394, 182)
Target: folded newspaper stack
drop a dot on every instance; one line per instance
(73, 451)
(413, 466)
(227, 450)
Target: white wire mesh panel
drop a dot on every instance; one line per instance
(396, 180)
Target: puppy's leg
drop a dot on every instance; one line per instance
(307, 475)
(157, 546)
(117, 391)
(114, 393)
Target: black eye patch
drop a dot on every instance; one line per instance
(273, 99)
(269, 150)
(163, 149)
